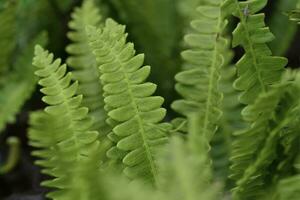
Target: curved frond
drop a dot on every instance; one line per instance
(83, 61)
(68, 148)
(257, 69)
(251, 158)
(134, 113)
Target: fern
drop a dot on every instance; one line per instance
(269, 115)
(230, 121)
(257, 69)
(133, 113)
(198, 83)
(84, 64)
(63, 132)
(160, 25)
(7, 36)
(185, 169)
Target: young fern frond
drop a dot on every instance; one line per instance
(7, 35)
(83, 61)
(134, 113)
(19, 84)
(198, 82)
(63, 132)
(257, 69)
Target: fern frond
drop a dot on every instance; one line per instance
(83, 61)
(257, 69)
(69, 148)
(251, 158)
(133, 113)
(230, 121)
(185, 168)
(161, 26)
(20, 84)
(7, 35)
(198, 82)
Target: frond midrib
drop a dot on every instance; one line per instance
(213, 70)
(141, 124)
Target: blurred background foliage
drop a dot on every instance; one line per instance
(155, 26)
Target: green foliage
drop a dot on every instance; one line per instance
(198, 83)
(185, 170)
(134, 114)
(63, 131)
(160, 26)
(257, 69)
(104, 134)
(251, 158)
(83, 61)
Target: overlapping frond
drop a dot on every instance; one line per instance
(255, 148)
(199, 80)
(83, 61)
(68, 148)
(257, 69)
(19, 84)
(134, 114)
(7, 35)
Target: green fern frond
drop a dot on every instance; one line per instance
(69, 149)
(271, 113)
(198, 82)
(230, 121)
(160, 26)
(83, 61)
(20, 84)
(185, 168)
(7, 35)
(133, 113)
(257, 69)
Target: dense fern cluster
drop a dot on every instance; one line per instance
(104, 133)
